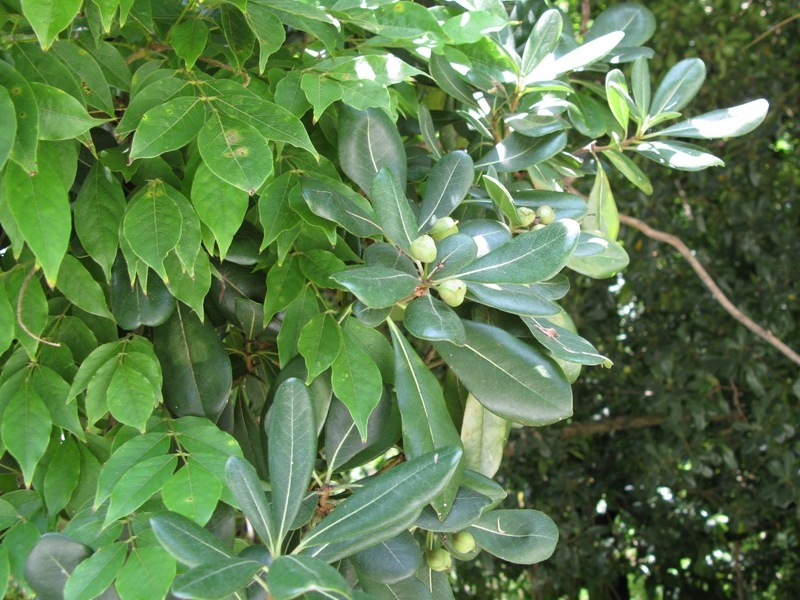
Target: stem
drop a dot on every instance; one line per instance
(23, 288)
(771, 29)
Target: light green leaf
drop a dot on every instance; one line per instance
(8, 124)
(528, 258)
(53, 390)
(618, 98)
(518, 152)
(431, 319)
(519, 536)
(191, 289)
(470, 27)
(96, 573)
(292, 576)
(393, 210)
(320, 343)
(249, 493)
(364, 94)
(602, 212)
(640, 84)
(33, 306)
(588, 53)
(189, 40)
(89, 74)
(26, 427)
(193, 492)
(108, 10)
(236, 152)
(138, 485)
(448, 184)
(168, 126)
(291, 435)
(501, 197)
(630, 170)
(321, 92)
(679, 155)
(136, 450)
(216, 580)
(50, 17)
(406, 20)
(26, 110)
(269, 31)
(186, 541)
(62, 476)
(8, 320)
(484, 436)
(378, 287)
(284, 284)
(598, 257)
(384, 69)
(153, 94)
(368, 140)
(80, 288)
(130, 396)
(147, 574)
(727, 122)
(679, 86)
(542, 41)
(510, 378)
(274, 212)
(356, 381)
(61, 117)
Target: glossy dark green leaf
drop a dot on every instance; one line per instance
(96, 573)
(148, 573)
(535, 125)
(356, 381)
(377, 287)
(189, 40)
(186, 541)
(428, 318)
(516, 299)
(518, 152)
(563, 343)
(390, 561)
(679, 86)
(454, 253)
(383, 507)
(249, 493)
(61, 117)
(317, 265)
(168, 126)
(319, 343)
(382, 254)
(292, 576)
(215, 580)
(447, 78)
(468, 505)
(50, 563)
(132, 306)
(199, 370)
(634, 20)
(726, 122)
(50, 17)
(98, 212)
(396, 219)
(410, 587)
(236, 152)
(586, 54)
(484, 436)
(630, 170)
(679, 155)
(542, 41)
(26, 111)
(510, 378)
(528, 258)
(448, 184)
(519, 536)
(368, 140)
(302, 309)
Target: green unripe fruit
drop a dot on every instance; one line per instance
(424, 249)
(452, 292)
(463, 542)
(546, 214)
(438, 559)
(525, 215)
(538, 226)
(443, 228)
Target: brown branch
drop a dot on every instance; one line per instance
(718, 294)
(625, 422)
(771, 30)
(586, 14)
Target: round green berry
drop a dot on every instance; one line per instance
(525, 216)
(452, 292)
(424, 249)
(438, 559)
(443, 228)
(546, 214)
(463, 542)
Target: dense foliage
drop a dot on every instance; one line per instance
(278, 277)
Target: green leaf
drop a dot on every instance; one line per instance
(634, 20)
(293, 576)
(249, 493)
(30, 307)
(292, 451)
(563, 343)
(268, 29)
(62, 476)
(602, 212)
(186, 541)
(727, 122)
(133, 306)
(617, 97)
(390, 561)
(150, 96)
(189, 40)
(61, 117)
(216, 580)
(454, 253)
(467, 508)
(356, 381)
(53, 390)
(364, 94)
(448, 184)
(368, 140)
(302, 309)
(320, 343)
(519, 536)
(431, 319)
(236, 152)
(377, 287)
(8, 123)
(40, 207)
(26, 427)
(317, 265)
(130, 396)
(147, 574)
(679, 155)
(510, 378)
(384, 505)
(406, 20)
(8, 319)
(89, 74)
(515, 299)
(168, 126)
(152, 224)
(542, 41)
(50, 563)
(321, 92)
(80, 288)
(427, 424)
(598, 257)
(470, 27)
(274, 212)
(588, 53)
(138, 485)
(49, 18)
(528, 258)
(428, 131)
(384, 69)
(98, 213)
(447, 78)
(630, 170)
(484, 436)
(501, 198)
(193, 492)
(96, 573)
(679, 86)
(26, 140)
(393, 210)
(336, 202)
(136, 450)
(410, 587)
(284, 284)
(290, 96)
(518, 152)
(192, 289)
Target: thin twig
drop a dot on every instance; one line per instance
(22, 289)
(718, 294)
(586, 14)
(771, 30)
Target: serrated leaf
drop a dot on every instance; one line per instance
(168, 126)
(510, 378)
(518, 152)
(518, 536)
(369, 140)
(320, 343)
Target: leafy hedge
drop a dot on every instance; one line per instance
(277, 278)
